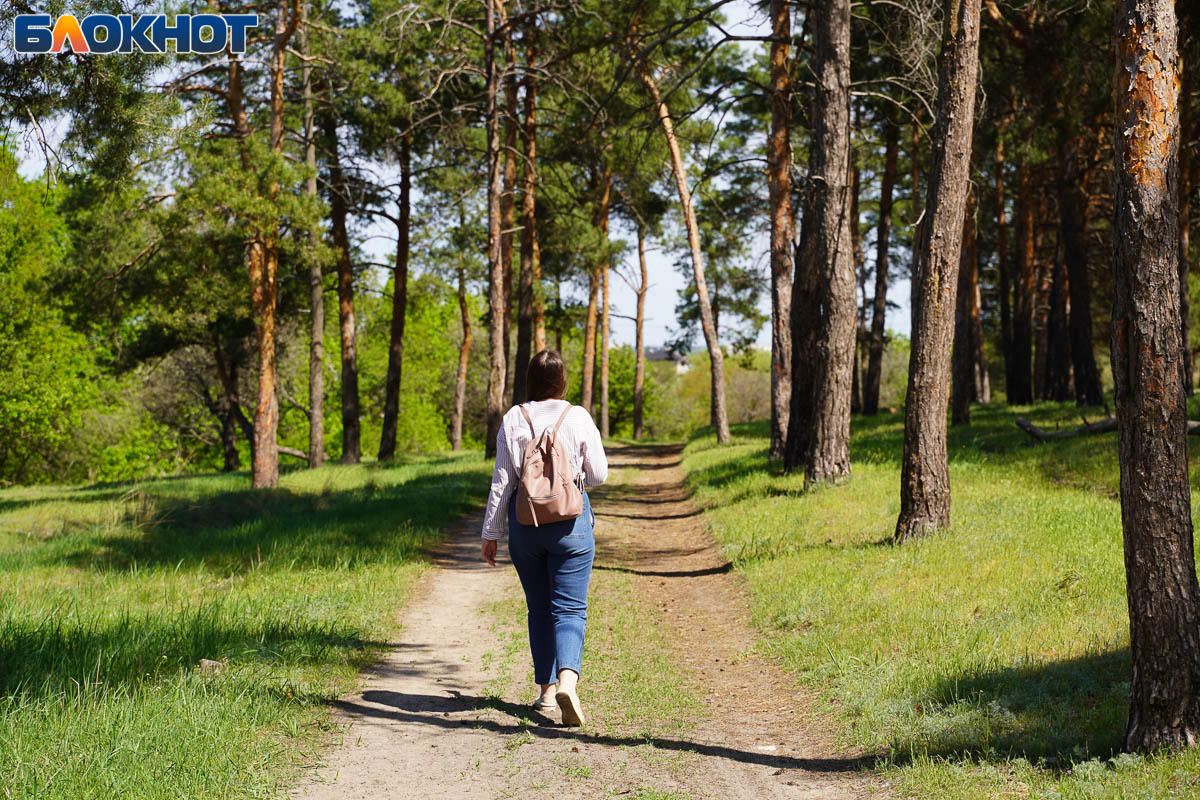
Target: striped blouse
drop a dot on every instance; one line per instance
(580, 439)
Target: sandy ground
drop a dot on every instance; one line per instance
(426, 725)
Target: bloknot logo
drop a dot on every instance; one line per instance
(206, 34)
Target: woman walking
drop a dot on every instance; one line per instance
(554, 558)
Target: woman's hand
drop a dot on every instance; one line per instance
(489, 551)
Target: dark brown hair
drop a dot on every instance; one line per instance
(546, 377)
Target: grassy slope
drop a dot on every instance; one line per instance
(110, 596)
(988, 661)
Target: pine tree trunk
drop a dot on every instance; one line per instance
(1160, 566)
(508, 201)
(1043, 282)
(497, 305)
(602, 185)
(539, 312)
(925, 477)
(639, 367)
(1058, 353)
(914, 155)
(351, 430)
(806, 309)
(604, 344)
(262, 254)
(230, 409)
(962, 390)
(718, 413)
(558, 333)
(395, 367)
(826, 272)
(1073, 217)
(1185, 220)
(983, 383)
(262, 267)
(464, 355)
(316, 280)
(779, 191)
(860, 322)
(1020, 388)
(587, 372)
(1003, 268)
(882, 266)
(526, 313)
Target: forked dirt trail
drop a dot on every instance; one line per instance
(446, 714)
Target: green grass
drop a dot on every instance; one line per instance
(110, 596)
(986, 661)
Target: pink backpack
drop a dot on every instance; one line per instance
(547, 492)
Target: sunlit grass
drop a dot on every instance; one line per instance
(110, 596)
(991, 659)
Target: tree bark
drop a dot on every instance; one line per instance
(351, 430)
(860, 321)
(262, 254)
(1073, 216)
(587, 371)
(983, 383)
(1147, 355)
(915, 161)
(395, 367)
(718, 414)
(1020, 388)
(639, 366)
(526, 313)
(962, 390)
(779, 193)
(508, 200)
(826, 271)
(539, 314)
(1185, 221)
(464, 355)
(602, 185)
(604, 344)
(229, 406)
(228, 367)
(882, 267)
(1058, 352)
(1043, 274)
(558, 333)
(925, 475)
(316, 280)
(1003, 267)
(497, 304)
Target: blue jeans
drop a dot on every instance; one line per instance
(554, 563)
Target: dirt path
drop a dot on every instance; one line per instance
(446, 713)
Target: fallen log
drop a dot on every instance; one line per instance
(1103, 426)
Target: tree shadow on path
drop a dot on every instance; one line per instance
(430, 710)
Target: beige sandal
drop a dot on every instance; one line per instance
(572, 711)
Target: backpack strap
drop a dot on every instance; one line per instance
(529, 419)
(562, 417)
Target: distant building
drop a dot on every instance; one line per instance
(663, 354)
